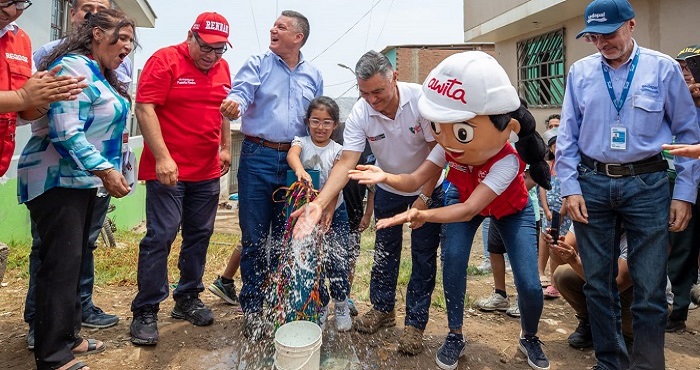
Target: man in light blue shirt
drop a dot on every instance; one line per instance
(620, 106)
(93, 316)
(270, 93)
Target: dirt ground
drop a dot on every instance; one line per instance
(491, 337)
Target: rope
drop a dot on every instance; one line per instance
(296, 196)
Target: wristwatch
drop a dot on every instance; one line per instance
(428, 202)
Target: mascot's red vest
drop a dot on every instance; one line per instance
(15, 70)
(512, 200)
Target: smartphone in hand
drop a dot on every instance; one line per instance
(554, 228)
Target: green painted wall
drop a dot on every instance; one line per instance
(14, 218)
(130, 211)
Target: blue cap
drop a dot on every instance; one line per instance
(606, 16)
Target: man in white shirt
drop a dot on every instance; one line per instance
(387, 116)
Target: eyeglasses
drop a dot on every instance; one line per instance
(593, 38)
(19, 4)
(315, 122)
(206, 49)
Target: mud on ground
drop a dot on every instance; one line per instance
(491, 337)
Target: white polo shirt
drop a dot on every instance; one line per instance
(400, 144)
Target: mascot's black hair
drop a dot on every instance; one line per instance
(530, 145)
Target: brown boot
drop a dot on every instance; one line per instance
(411, 341)
(373, 320)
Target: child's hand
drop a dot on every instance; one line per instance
(367, 174)
(365, 222)
(304, 176)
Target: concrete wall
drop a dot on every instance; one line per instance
(666, 28)
(479, 11)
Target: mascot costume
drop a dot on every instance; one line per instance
(475, 113)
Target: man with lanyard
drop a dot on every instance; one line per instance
(270, 93)
(620, 106)
(387, 116)
(93, 316)
(188, 148)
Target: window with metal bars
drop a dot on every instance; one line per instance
(59, 19)
(541, 79)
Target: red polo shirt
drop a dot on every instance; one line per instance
(15, 70)
(187, 104)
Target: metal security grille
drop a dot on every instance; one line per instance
(59, 19)
(541, 69)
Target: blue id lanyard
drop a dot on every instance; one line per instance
(626, 89)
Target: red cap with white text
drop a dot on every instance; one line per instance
(212, 28)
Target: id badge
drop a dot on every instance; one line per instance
(618, 138)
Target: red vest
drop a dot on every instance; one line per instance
(512, 200)
(15, 70)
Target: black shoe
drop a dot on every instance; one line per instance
(531, 347)
(581, 337)
(673, 326)
(95, 318)
(192, 309)
(447, 356)
(30, 338)
(144, 327)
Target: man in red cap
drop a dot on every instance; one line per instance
(187, 149)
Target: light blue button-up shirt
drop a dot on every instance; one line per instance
(273, 98)
(658, 108)
(124, 72)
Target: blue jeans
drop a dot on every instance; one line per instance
(87, 266)
(520, 241)
(191, 207)
(387, 258)
(641, 203)
(261, 171)
(336, 260)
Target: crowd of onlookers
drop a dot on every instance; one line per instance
(594, 200)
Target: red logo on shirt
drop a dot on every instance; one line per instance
(448, 88)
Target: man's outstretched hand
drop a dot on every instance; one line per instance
(307, 218)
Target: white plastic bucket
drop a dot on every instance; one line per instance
(298, 346)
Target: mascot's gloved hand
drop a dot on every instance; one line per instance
(531, 147)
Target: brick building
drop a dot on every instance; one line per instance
(414, 62)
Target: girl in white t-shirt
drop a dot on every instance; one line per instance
(319, 152)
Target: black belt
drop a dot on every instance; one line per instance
(280, 147)
(652, 164)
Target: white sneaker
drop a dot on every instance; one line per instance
(494, 302)
(343, 321)
(514, 310)
(484, 267)
(323, 317)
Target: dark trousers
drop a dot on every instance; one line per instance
(387, 258)
(62, 217)
(87, 270)
(683, 265)
(191, 206)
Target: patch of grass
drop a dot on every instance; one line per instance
(118, 266)
(474, 271)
